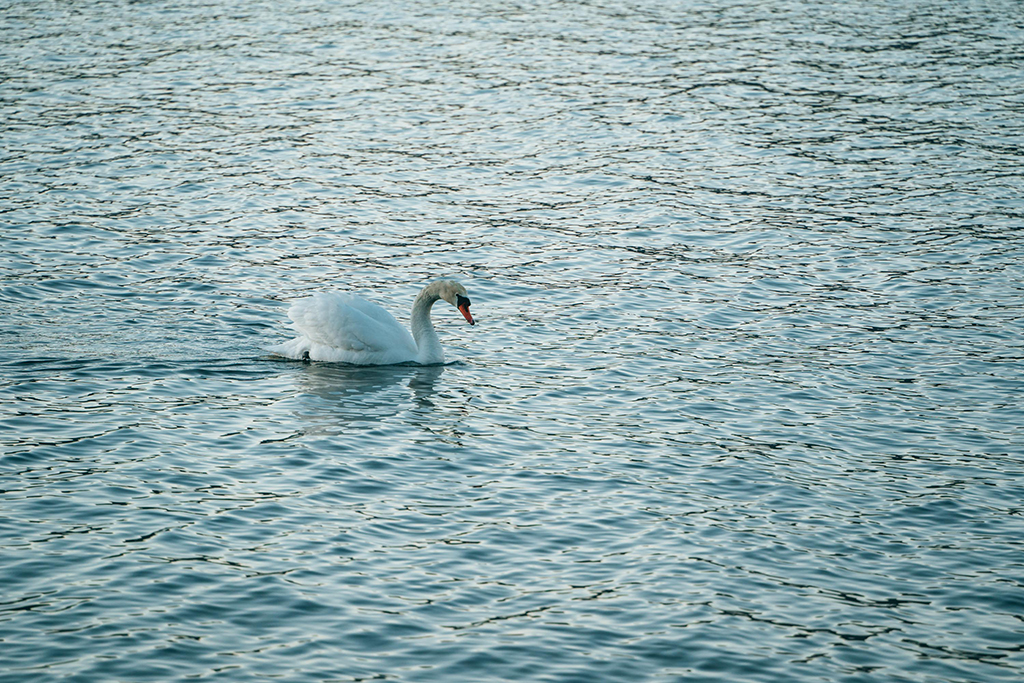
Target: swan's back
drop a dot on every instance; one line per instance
(343, 328)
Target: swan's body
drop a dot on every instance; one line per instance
(343, 328)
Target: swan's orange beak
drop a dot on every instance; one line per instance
(462, 303)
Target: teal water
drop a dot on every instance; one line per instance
(743, 402)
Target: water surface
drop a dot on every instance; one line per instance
(743, 400)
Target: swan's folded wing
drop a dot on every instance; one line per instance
(347, 322)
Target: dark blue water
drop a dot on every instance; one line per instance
(743, 402)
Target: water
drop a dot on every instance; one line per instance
(743, 402)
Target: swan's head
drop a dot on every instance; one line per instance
(455, 294)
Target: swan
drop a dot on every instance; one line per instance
(343, 328)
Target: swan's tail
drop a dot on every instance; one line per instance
(296, 349)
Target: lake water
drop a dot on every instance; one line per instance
(744, 399)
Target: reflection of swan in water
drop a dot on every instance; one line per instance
(422, 384)
(343, 328)
(344, 394)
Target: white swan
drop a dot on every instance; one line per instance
(343, 328)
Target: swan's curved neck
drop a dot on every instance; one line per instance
(428, 346)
